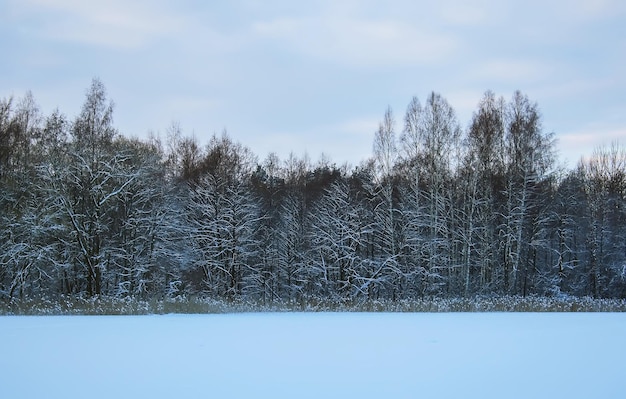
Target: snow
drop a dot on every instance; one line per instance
(315, 355)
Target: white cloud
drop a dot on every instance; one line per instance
(116, 23)
(363, 127)
(461, 13)
(465, 102)
(594, 10)
(513, 70)
(358, 41)
(576, 144)
(563, 88)
(348, 141)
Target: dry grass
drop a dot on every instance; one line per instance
(183, 305)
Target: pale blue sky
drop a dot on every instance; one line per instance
(317, 76)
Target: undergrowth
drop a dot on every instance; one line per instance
(184, 305)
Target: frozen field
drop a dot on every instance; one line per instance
(315, 355)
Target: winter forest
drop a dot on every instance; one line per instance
(439, 210)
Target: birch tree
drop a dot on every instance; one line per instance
(224, 214)
(530, 157)
(430, 140)
(605, 189)
(482, 181)
(385, 209)
(336, 237)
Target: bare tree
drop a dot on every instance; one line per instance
(529, 159)
(482, 182)
(605, 189)
(385, 207)
(224, 216)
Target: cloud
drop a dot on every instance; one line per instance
(359, 41)
(576, 144)
(115, 24)
(513, 70)
(466, 14)
(571, 87)
(363, 127)
(348, 140)
(465, 103)
(585, 10)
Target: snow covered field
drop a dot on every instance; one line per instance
(315, 355)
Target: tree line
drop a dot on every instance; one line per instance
(437, 211)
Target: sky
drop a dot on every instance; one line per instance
(316, 77)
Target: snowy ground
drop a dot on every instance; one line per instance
(315, 355)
